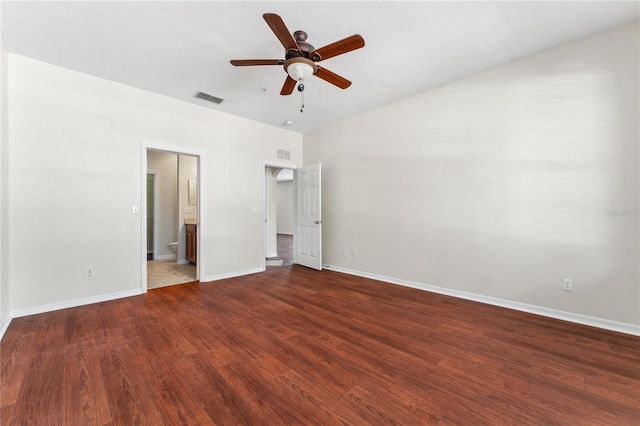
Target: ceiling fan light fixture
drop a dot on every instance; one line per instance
(300, 69)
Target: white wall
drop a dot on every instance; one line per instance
(165, 164)
(285, 219)
(499, 184)
(75, 172)
(4, 189)
(187, 170)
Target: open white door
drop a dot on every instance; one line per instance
(308, 239)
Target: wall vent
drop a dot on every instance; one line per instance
(209, 98)
(283, 154)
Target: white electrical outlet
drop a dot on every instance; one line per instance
(134, 209)
(567, 284)
(90, 274)
(355, 254)
(345, 253)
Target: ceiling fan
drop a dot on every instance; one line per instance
(301, 57)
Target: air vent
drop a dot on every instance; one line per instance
(283, 154)
(209, 98)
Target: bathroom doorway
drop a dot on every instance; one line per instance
(279, 217)
(171, 215)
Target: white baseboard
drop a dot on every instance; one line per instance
(73, 303)
(285, 233)
(5, 324)
(272, 255)
(166, 257)
(621, 327)
(182, 261)
(232, 274)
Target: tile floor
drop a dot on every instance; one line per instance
(161, 273)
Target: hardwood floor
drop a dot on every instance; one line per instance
(297, 346)
(285, 251)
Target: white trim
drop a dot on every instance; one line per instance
(155, 211)
(165, 257)
(143, 218)
(295, 217)
(265, 198)
(279, 164)
(272, 255)
(201, 219)
(621, 327)
(285, 233)
(233, 274)
(182, 261)
(73, 303)
(5, 325)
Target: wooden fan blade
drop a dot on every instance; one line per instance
(338, 48)
(251, 62)
(280, 30)
(333, 78)
(289, 85)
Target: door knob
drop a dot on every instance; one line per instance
(318, 222)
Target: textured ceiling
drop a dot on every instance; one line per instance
(180, 48)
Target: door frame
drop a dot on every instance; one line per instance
(279, 165)
(155, 211)
(146, 146)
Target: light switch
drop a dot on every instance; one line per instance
(187, 210)
(134, 209)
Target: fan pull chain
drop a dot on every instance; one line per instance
(301, 90)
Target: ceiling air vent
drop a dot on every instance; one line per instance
(209, 98)
(283, 154)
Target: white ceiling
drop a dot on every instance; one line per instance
(180, 48)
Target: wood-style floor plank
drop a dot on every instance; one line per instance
(221, 402)
(297, 346)
(128, 391)
(84, 395)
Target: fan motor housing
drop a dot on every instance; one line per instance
(305, 48)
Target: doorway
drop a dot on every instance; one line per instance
(172, 194)
(306, 210)
(279, 226)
